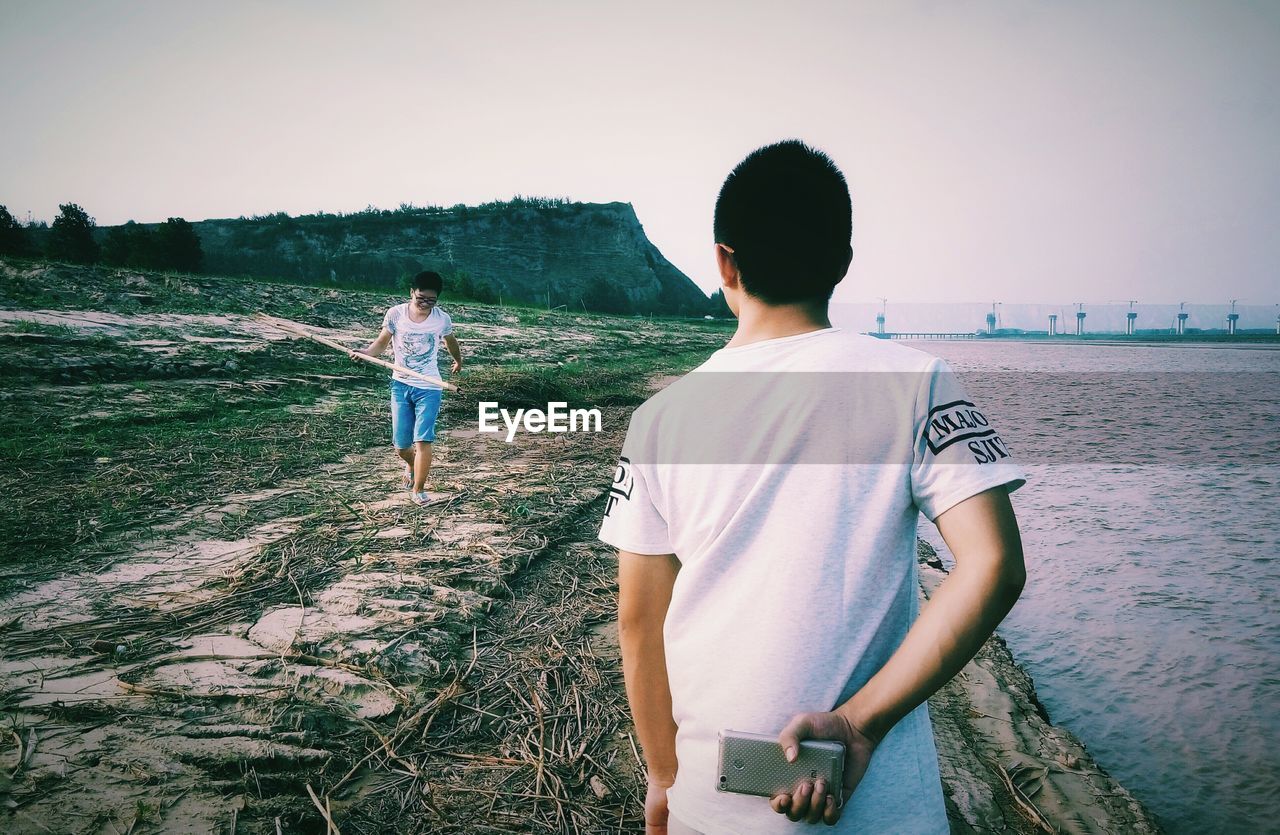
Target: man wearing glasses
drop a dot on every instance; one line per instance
(415, 330)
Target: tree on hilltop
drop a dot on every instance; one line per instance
(131, 245)
(71, 236)
(13, 236)
(172, 245)
(178, 246)
(718, 307)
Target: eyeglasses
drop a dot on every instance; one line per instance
(431, 299)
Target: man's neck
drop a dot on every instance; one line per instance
(758, 322)
(417, 316)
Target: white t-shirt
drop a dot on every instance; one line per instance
(788, 476)
(417, 344)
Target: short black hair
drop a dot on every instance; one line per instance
(786, 214)
(427, 280)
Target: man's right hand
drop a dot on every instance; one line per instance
(655, 807)
(818, 802)
(355, 355)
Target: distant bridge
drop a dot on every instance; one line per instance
(924, 335)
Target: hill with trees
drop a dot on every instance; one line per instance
(541, 251)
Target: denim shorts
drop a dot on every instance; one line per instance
(413, 414)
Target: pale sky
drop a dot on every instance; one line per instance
(1023, 152)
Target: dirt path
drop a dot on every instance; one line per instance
(195, 637)
(246, 650)
(313, 646)
(533, 735)
(450, 670)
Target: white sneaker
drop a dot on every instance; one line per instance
(423, 498)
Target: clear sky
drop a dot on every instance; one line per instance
(1015, 151)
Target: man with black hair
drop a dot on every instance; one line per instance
(415, 330)
(776, 592)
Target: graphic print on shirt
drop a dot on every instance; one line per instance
(623, 482)
(957, 421)
(420, 353)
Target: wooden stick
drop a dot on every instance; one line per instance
(331, 828)
(300, 330)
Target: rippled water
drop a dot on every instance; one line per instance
(1150, 622)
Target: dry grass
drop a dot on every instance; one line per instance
(531, 735)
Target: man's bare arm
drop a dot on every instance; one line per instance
(982, 534)
(377, 346)
(644, 593)
(455, 351)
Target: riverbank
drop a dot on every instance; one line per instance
(242, 625)
(1004, 764)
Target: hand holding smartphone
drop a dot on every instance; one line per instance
(754, 764)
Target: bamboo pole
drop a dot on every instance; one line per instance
(299, 330)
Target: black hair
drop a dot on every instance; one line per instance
(427, 280)
(785, 212)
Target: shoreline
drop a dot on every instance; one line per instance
(214, 656)
(1004, 764)
(1222, 340)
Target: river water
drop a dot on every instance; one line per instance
(1151, 526)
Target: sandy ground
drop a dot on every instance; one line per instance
(130, 714)
(322, 655)
(169, 691)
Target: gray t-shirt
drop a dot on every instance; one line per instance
(417, 344)
(797, 549)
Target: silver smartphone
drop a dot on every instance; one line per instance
(754, 764)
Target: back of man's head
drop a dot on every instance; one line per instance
(786, 214)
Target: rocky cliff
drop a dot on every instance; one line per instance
(545, 252)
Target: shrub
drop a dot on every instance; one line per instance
(71, 236)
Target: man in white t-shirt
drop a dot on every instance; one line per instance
(765, 512)
(415, 330)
